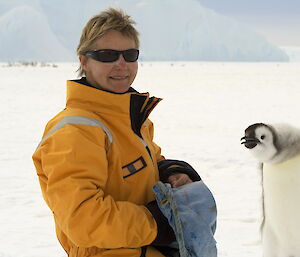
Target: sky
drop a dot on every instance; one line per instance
(277, 20)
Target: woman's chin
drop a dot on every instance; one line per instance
(120, 86)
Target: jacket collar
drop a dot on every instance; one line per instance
(84, 81)
(80, 95)
(135, 105)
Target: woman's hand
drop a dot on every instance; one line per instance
(178, 180)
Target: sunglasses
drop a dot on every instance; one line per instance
(109, 55)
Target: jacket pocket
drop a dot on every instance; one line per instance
(134, 167)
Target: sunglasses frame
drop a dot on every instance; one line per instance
(94, 54)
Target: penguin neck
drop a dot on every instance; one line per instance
(288, 145)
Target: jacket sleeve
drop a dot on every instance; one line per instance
(169, 167)
(73, 178)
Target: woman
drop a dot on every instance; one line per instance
(97, 162)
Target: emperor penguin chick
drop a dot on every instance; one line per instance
(278, 148)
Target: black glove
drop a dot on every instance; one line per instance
(170, 167)
(165, 233)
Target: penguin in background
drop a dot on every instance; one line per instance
(277, 147)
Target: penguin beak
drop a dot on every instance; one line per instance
(250, 142)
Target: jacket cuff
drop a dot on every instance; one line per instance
(165, 234)
(170, 167)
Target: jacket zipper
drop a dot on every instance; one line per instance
(146, 146)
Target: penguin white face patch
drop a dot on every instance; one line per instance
(265, 149)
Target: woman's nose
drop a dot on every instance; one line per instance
(121, 61)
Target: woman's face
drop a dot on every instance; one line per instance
(115, 76)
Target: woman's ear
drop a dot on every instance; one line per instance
(83, 60)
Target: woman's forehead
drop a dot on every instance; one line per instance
(114, 40)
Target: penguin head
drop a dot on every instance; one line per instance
(260, 139)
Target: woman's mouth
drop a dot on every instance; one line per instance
(119, 77)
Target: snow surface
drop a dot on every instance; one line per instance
(170, 30)
(205, 110)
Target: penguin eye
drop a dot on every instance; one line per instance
(262, 137)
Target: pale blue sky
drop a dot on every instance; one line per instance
(277, 20)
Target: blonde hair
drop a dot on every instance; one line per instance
(97, 26)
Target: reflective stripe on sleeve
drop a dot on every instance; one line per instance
(78, 120)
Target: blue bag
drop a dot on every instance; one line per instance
(192, 213)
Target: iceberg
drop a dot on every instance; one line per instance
(170, 30)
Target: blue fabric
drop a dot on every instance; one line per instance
(192, 213)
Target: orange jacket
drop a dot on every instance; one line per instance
(97, 164)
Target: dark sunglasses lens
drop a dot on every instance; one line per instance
(107, 56)
(131, 55)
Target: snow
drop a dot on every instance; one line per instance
(188, 31)
(205, 110)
